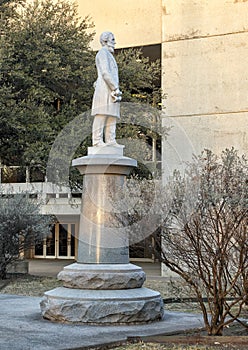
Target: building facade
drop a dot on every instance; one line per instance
(64, 206)
(204, 56)
(203, 46)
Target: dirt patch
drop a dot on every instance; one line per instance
(224, 342)
(235, 337)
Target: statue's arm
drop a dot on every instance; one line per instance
(104, 66)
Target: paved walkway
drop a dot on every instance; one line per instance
(51, 267)
(23, 328)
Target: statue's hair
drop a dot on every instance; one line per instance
(104, 37)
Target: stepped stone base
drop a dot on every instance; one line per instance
(102, 276)
(102, 288)
(139, 305)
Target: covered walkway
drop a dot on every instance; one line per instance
(51, 267)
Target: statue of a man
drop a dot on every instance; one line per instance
(107, 95)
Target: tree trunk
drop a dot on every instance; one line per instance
(216, 330)
(3, 270)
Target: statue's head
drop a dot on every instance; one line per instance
(107, 39)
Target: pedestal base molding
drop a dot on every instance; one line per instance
(140, 305)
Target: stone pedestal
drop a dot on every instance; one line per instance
(102, 287)
(139, 305)
(102, 276)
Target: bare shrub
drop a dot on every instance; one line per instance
(204, 234)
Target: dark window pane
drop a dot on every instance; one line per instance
(50, 243)
(72, 239)
(63, 234)
(39, 248)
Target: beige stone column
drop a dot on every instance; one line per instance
(102, 236)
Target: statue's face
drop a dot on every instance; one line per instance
(111, 43)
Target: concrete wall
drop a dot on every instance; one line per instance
(56, 200)
(204, 66)
(134, 23)
(205, 77)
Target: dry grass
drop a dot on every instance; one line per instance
(28, 285)
(36, 286)
(169, 289)
(153, 346)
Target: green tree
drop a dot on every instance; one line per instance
(47, 69)
(139, 77)
(204, 234)
(7, 12)
(140, 81)
(47, 72)
(21, 226)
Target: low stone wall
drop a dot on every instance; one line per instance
(19, 266)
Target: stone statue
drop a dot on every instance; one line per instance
(107, 95)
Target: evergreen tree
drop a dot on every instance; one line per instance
(47, 71)
(21, 226)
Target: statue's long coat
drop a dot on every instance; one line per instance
(107, 82)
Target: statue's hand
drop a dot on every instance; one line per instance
(116, 94)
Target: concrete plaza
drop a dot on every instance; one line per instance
(23, 328)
